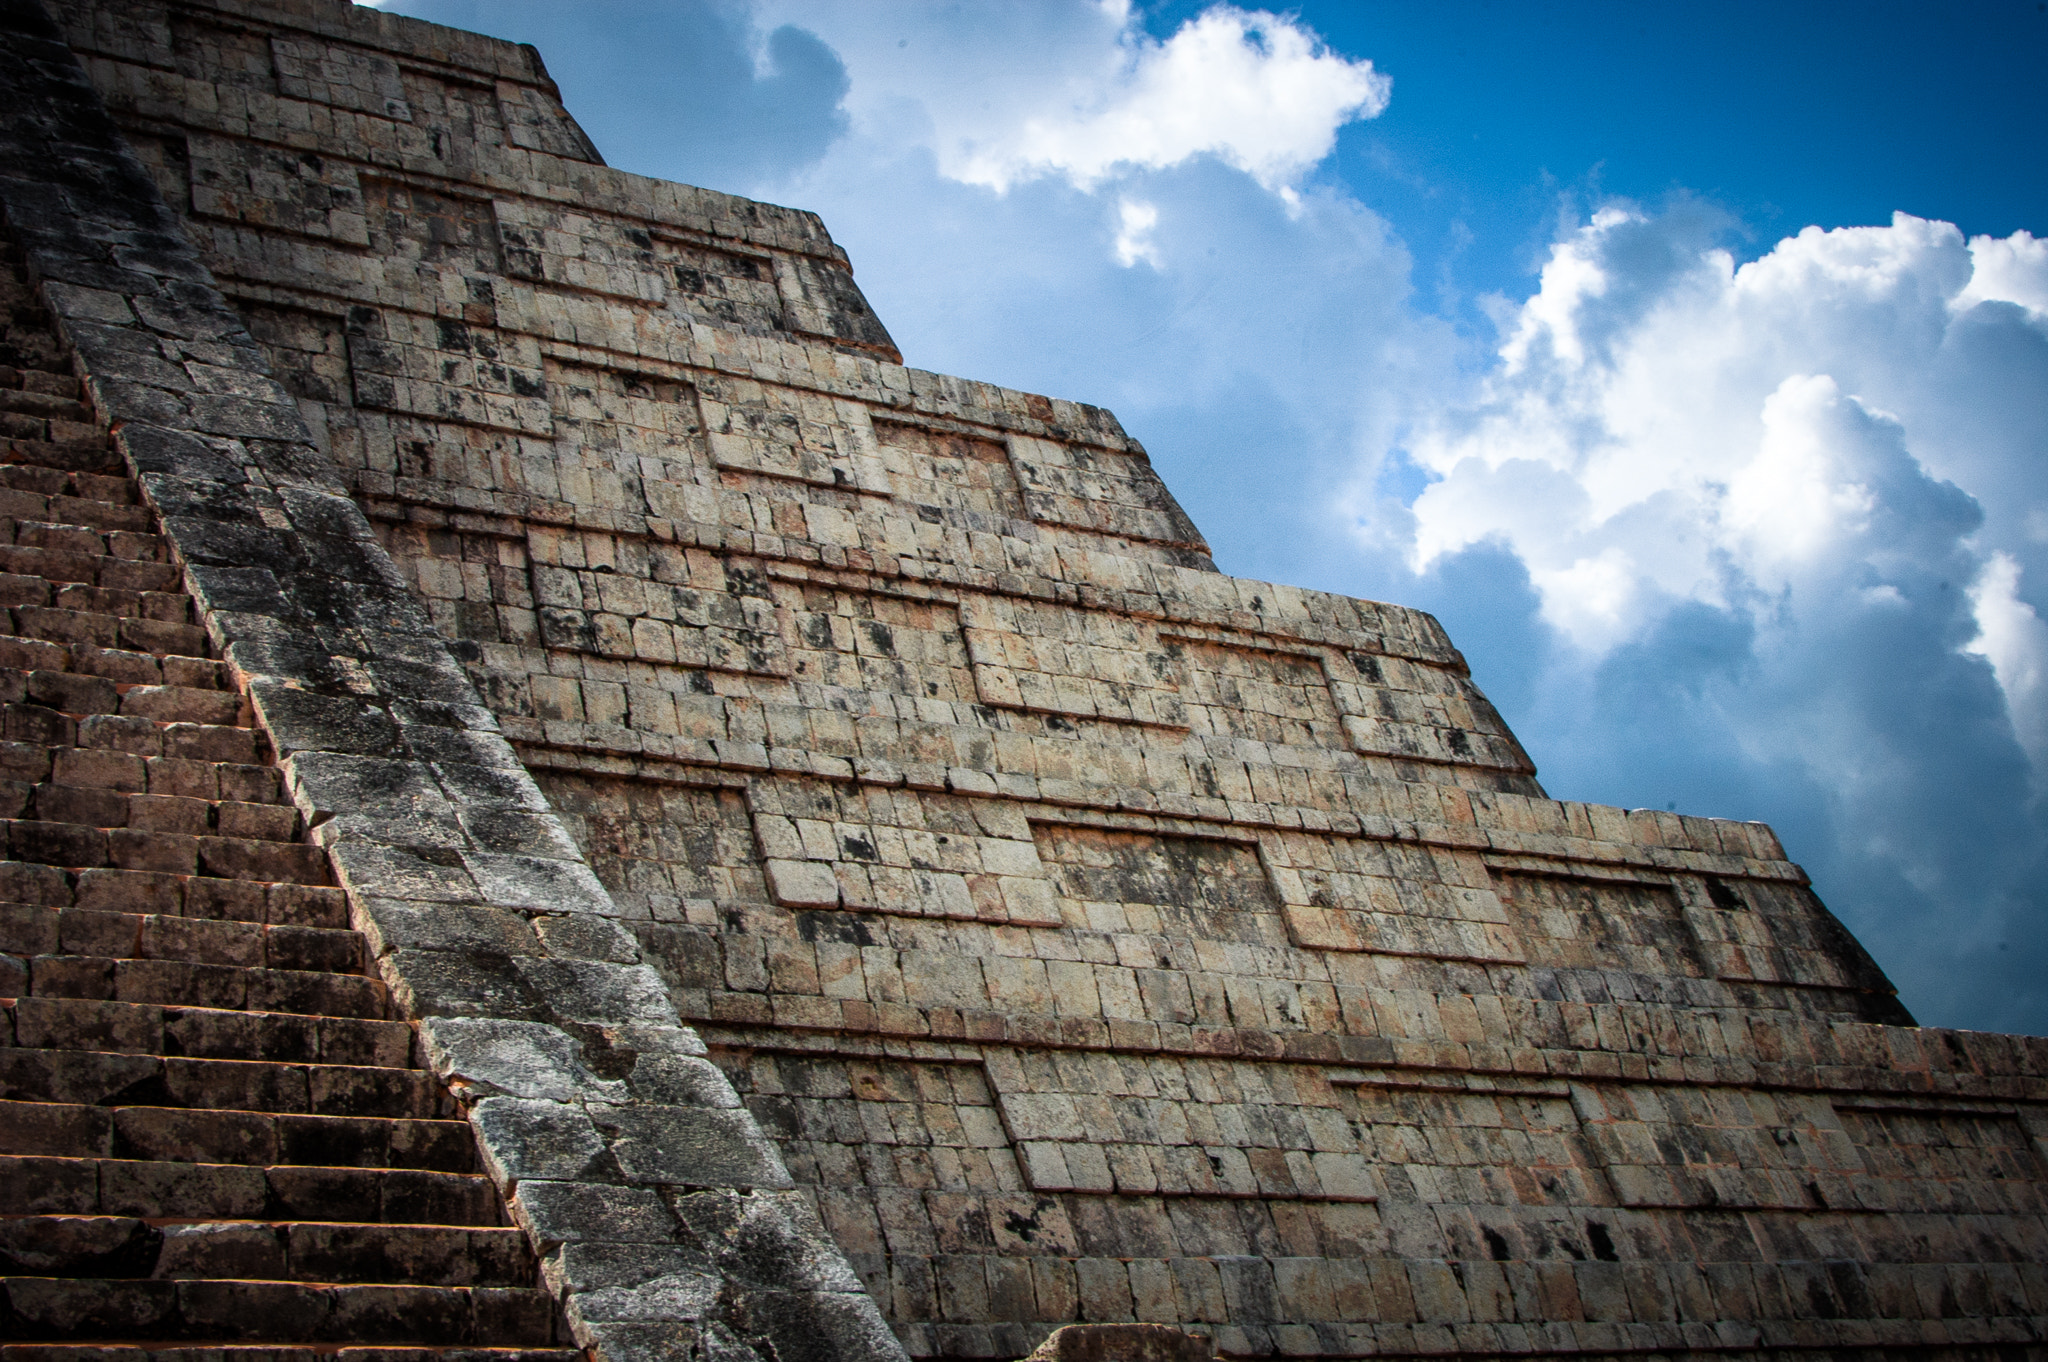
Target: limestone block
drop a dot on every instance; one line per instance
(597, 991)
(585, 937)
(767, 1239)
(571, 1212)
(543, 882)
(677, 1296)
(394, 924)
(1122, 1343)
(803, 884)
(520, 1059)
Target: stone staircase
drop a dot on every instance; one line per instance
(213, 1134)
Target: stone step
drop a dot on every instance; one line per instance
(279, 903)
(22, 504)
(121, 666)
(110, 1078)
(182, 815)
(171, 1352)
(92, 452)
(178, 1190)
(208, 1033)
(78, 694)
(102, 569)
(148, 738)
(58, 482)
(128, 772)
(57, 383)
(81, 847)
(183, 983)
(259, 1138)
(289, 1251)
(26, 402)
(70, 447)
(60, 382)
(155, 936)
(80, 1309)
(173, 607)
(73, 627)
(16, 425)
(143, 545)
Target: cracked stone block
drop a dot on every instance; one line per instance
(568, 1212)
(518, 1058)
(690, 1146)
(524, 1139)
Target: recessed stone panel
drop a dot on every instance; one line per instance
(950, 472)
(1257, 694)
(865, 641)
(1929, 1160)
(828, 844)
(411, 223)
(277, 189)
(576, 250)
(1584, 924)
(770, 433)
(1357, 894)
(447, 369)
(1200, 887)
(344, 78)
(1091, 488)
(1037, 655)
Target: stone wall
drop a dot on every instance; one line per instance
(1099, 937)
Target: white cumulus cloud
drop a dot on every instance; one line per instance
(1665, 427)
(1135, 221)
(1079, 91)
(2011, 270)
(1795, 508)
(1254, 89)
(2015, 641)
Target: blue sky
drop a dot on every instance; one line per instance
(1589, 327)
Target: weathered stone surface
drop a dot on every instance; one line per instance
(1094, 937)
(694, 1146)
(522, 1059)
(555, 1213)
(1122, 1343)
(527, 1139)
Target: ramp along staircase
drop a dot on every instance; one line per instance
(213, 1135)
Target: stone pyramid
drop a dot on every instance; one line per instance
(492, 638)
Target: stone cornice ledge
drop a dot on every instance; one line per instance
(664, 1219)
